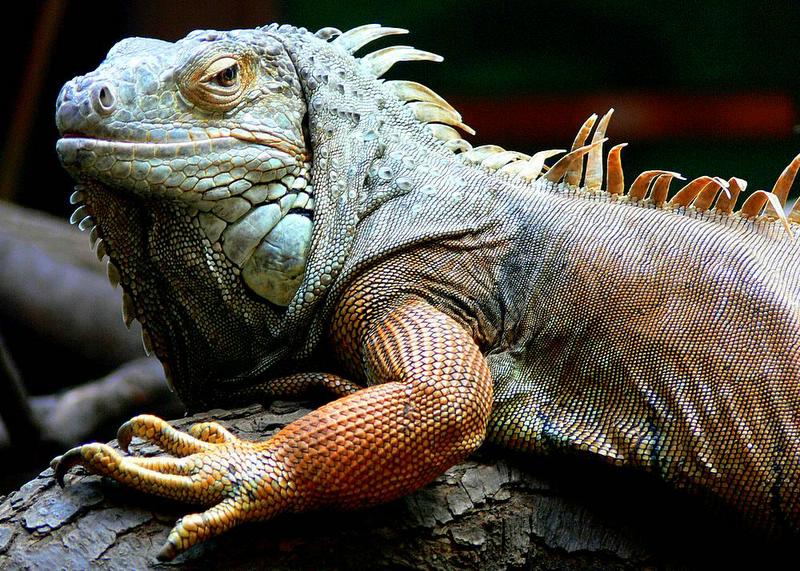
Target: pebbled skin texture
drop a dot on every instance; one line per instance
(469, 303)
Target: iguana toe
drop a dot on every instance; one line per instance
(194, 528)
(211, 432)
(161, 433)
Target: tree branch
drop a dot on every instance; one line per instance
(485, 513)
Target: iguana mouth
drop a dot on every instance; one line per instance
(80, 139)
(181, 147)
(71, 143)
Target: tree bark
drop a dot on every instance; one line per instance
(486, 513)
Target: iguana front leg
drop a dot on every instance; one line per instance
(428, 409)
(298, 385)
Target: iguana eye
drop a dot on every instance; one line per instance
(218, 85)
(229, 76)
(223, 72)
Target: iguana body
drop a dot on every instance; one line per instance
(267, 194)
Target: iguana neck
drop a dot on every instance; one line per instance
(367, 150)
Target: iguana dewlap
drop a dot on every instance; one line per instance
(262, 192)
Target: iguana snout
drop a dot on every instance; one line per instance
(81, 97)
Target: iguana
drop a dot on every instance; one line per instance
(263, 195)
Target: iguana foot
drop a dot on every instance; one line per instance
(238, 478)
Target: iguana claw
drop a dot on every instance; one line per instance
(62, 464)
(167, 553)
(125, 435)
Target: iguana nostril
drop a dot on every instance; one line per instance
(103, 99)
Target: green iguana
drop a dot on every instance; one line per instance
(263, 193)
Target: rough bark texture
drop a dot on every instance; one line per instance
(485, 513)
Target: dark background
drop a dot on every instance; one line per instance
(700, 88)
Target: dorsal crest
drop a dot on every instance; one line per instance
(584, 168)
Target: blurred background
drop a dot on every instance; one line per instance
(703, 88)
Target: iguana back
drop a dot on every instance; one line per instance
(665, 337)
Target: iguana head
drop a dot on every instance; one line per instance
(212, 171)
(213, 124)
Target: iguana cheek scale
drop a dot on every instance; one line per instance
(258, 190)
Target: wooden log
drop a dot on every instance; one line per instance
(489, 512)
(49, 276)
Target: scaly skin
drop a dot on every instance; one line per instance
(431, 401)
(260, 190)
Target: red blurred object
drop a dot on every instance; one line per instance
(637, 117)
